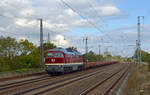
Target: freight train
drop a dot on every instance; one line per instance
(60, 60)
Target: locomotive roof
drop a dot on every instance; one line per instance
(66, 51)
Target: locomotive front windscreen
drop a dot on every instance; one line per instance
(57, 54)
(50, 55)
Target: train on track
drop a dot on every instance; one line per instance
(60, 60)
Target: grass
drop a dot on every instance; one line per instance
(138, 82)
(20, 72)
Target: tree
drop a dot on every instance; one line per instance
(92, 57)
(8, 49)
(72, 49)
(48, 46)
(25, 47)
(145, 56)
(17, 55)
(8, 52)
(107, 56)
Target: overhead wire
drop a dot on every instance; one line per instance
(98, 15)
(81, 15)
(66, 4)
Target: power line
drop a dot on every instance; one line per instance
(96, 12)
(81, 15)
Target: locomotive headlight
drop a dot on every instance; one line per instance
(53, 60)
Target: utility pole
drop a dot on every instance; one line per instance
(136, 52)
(41, 43)
(107, 52)
(139, 41)
(102, 44)
(48, 38)
(86, 49)
(99, 46)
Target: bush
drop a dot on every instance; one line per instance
(149, 66)
(4, 67)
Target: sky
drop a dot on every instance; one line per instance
(110, 24)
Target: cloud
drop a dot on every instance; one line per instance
(22, 38)
(109, 10)
(81, 23)
(71, 13)
(2, 29)
(20, 19)
(60, 41)
(27, 12)
(25, 22)
(56, 15)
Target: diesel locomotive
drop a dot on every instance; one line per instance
(60, 60)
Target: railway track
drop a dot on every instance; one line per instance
(60, 84)
(30, 86)
(4, 79)
(73, 89)
(19, 83)
(107, 90)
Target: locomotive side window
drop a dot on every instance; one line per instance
(50, 55)
(58, 54)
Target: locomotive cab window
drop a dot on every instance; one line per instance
(58, 54)
(50, 55)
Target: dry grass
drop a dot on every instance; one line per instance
(138, 82)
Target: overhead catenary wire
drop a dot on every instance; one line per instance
(100, 17)
(85, 17)
(66, 4)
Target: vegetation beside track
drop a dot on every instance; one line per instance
(21, 72)
(138, 82)
(22, 55)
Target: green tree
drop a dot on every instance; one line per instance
(8, 52)
(72, 48)
(48, 46)
(92, 57)
(17, 55)
(145, 56)
(8, 49)
(25, 47)
(107, 56)
(30, 55)
(34, 59)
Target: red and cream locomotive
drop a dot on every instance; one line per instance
(61, 60)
